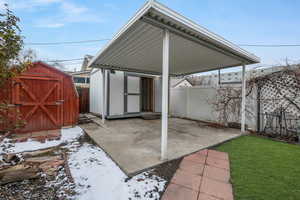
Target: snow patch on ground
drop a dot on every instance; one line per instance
(97, 176)
(67, 136)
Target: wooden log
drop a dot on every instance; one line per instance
(12, 157)
(38, 152)
(42, 159)
(18, 173)
(31, 166)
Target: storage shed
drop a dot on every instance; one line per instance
(45, 96)
(126, 94)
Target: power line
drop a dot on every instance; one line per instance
(270, 45)
(61, 43)
(106, 39)
(66, 60)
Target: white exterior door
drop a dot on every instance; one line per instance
(132, 94)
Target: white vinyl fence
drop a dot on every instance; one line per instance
(193, 103)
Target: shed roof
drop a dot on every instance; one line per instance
(138, 45)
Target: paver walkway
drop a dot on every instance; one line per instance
(201, 176)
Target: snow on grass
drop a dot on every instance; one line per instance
(67, 136)
(97, 177)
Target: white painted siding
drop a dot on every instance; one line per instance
(116, 93)
(96, 91)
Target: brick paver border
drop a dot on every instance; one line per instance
(203, 175)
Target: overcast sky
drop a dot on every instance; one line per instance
(242, 22)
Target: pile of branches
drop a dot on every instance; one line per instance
(29, 165)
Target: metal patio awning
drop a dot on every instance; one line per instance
(138, 45)
(158, 40)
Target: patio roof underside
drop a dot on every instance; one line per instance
(138, 47)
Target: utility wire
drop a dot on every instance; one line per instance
(106, 39)
(66, 60)
(270, 45)
(61, 43)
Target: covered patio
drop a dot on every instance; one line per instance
(134, 144)
(161, 42)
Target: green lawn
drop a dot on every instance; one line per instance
(263, 169)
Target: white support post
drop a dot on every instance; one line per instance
(243, 108)
(165, 95)
(103, 96)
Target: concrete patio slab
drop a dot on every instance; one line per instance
(134, 144)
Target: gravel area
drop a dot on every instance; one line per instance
(39, 189)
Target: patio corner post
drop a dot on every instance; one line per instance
(103, 96)
(165, 94)
(243, 108)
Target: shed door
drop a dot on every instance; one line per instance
(40, 103)
(132, 94)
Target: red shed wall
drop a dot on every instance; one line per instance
(38, 82)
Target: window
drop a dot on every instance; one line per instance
(79, 79)
(87, 80)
